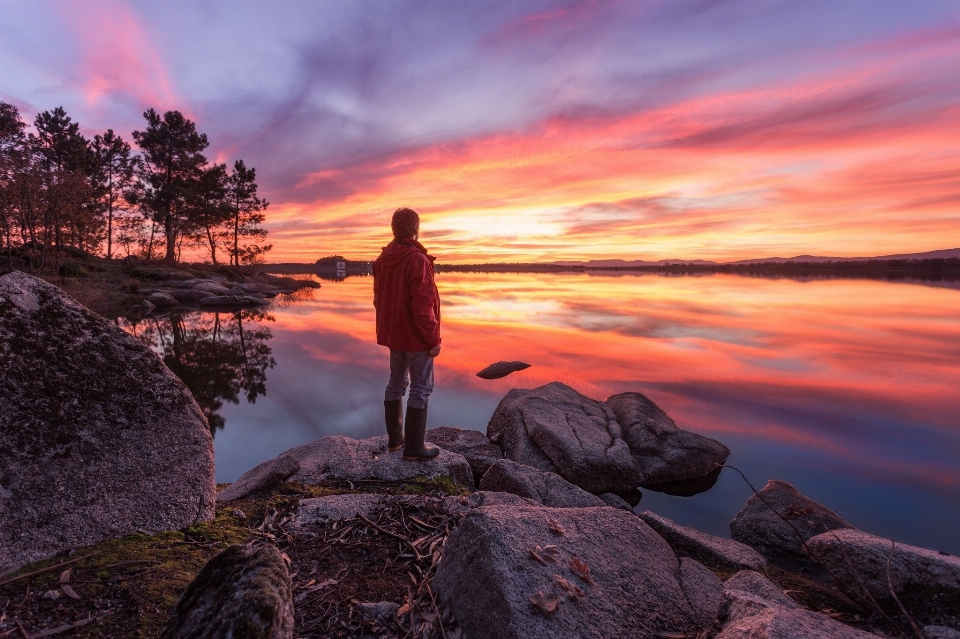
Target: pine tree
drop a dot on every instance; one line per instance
(116, 169)
(247, 214)
(172, 167)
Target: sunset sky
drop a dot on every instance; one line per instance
(537, 130)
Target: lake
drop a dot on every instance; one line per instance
(848, 389)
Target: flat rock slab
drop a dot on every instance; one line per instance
(162, 300)
(665, 453)
(339, 457)
(245, 591)
(502, 369)
(211, 287)
(554, 428)
(757, 526)
(261, 477)
(858, 557)
(318, 510)
(549, 489)
(754, 608)
(615, 501)
(321, 510)
(97, 437)
(630, 581)
(717, 552)
(188, 295)
(480, 452)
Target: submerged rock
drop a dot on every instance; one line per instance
(665, 453)
(554, 428)
(502, 369)
(243, 592)
(97, 437)
(339, 457)
(766, 531)
(233, 301)
(549, 489)
(261, 477)
(607, 574)
(480, 452)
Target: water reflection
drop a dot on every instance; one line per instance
(217, 355)
(845, 388)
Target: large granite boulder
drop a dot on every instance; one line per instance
(665, 454)
(549, 489)
(754, 608)
(339, 457)
(244, 592)
(856, 557)
(716, 552)
(766, 531)
(261, 477)
(97, 437)
(480, 452)
(554, 428)
(515, 571)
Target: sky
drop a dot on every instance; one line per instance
(537, 130)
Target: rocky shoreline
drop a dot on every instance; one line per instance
(111, 526)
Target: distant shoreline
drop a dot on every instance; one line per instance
(901, 269)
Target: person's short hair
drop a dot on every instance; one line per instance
(405, 223)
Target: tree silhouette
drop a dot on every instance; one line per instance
(172, 167)
(115, 170)
(216, 355)
(247, 214)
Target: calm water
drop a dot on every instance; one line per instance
(849, 389)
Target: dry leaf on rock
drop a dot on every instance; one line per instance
(546, 603)
(572, 589)
(581, 569)
(555, 526)
(546, 554)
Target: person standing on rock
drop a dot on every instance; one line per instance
(408, 323)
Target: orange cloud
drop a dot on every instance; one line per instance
(859, 159)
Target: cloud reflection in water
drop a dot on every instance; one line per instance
(846, 388)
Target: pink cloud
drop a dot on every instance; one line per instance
(117, 58)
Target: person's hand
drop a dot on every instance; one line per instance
(435, 351)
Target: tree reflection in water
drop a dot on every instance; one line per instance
(217, 355)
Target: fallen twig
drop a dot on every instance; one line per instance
(65, 628)
(49, 568)
(436, 610)
(920, 634)
(813, 555)
(394, 535)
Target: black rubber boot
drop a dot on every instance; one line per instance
(415, 428)
(393, 417)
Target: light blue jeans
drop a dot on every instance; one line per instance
(415, 369)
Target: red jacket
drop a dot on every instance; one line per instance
(406, 297)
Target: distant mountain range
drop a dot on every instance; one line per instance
(929, 255)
